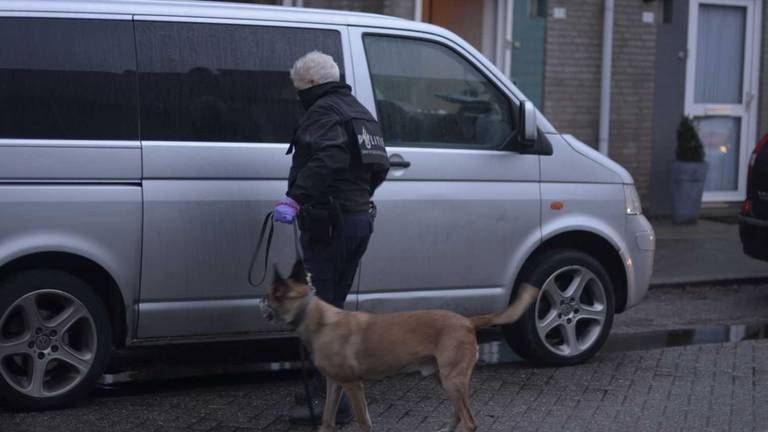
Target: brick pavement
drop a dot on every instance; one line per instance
(715, 387)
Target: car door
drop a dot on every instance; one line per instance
(217, 112)
(458, 206)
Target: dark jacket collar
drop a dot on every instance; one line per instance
(310, 95)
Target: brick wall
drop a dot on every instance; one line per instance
(573, 56)
(399, 8)
(633, 89)
(572, 76)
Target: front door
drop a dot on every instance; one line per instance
(457, 206)
(721, 89)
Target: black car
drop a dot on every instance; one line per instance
(753, 222)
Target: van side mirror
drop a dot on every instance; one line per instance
(526, 125)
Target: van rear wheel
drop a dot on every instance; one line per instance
(573, 314)
(55, 339)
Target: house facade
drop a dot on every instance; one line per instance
(620, 74)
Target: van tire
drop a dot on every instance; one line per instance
(560, 329)
(71, 339)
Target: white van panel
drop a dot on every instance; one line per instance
(567, 165)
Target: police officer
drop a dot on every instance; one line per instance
(339, 160)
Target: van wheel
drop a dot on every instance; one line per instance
(572, 315)
(55, 339)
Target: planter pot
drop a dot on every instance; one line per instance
(687, 189)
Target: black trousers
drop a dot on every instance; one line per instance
(333, 265)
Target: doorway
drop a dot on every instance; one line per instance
(721, 89)
(510, 33)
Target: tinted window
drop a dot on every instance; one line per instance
(213, 82)
(67, 79)
(429, 96)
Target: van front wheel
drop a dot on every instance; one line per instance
(572, 315)
(55, 339)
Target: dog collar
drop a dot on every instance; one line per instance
(299, 317)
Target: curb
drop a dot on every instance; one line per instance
(699, 282)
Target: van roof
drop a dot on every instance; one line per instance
(202, 9)
(215, 10)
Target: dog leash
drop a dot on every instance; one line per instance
(266, 233)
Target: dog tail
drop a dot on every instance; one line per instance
(525, 297)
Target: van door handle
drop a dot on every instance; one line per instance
(397, 161)
(399, 164)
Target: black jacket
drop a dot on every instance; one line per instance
(325, 162)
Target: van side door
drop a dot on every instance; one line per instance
(218, 110)
(459, 206)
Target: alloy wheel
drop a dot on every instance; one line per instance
(571, 311)
(48, 343)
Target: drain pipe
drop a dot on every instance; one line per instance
(605, 85)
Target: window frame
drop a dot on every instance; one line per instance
(342, 30)
(512, 99)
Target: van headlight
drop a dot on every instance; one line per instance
(632, 200)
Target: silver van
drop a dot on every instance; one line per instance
(142, 143)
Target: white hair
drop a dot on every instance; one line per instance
(314, 68)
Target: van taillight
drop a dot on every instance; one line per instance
(758, 148)
(746, 207)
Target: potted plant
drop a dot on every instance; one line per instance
(689, 172)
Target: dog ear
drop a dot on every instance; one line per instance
(276, 276)
(298, 273)
(279, 285)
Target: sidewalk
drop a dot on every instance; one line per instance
(709, 251)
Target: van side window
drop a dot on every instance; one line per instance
(221, 82)
(429, 96)
(67, 79)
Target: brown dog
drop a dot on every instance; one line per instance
(349, 347)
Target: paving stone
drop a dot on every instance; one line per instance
(699, 388)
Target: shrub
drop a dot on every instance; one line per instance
(689, 147)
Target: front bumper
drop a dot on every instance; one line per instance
(754, 237)
(638, 258)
